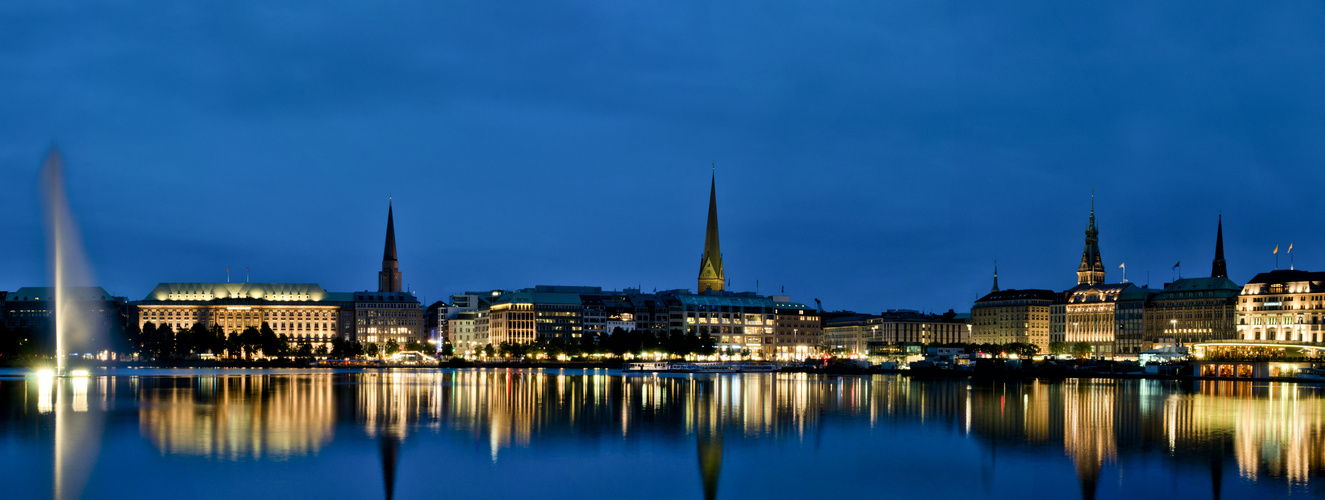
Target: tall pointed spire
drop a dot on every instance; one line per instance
(389, 279)
(1219, 269)
(995, 289)
(711, 273)
(1091, 270)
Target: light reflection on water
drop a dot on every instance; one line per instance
(1267, 435)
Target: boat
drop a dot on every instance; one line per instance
(1312, 374)
(706, 368)
(646, 366)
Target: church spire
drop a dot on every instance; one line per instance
(1219, 269)
(1091, 270)
(388, 280)
(995, 289)
(711, 273)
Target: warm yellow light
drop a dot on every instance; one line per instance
(45, 373)
(79, 373)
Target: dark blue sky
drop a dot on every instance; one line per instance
(872, 154)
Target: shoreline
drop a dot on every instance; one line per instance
(980, 375)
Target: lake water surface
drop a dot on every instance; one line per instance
(591, 434)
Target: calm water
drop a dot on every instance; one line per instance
(596, 434)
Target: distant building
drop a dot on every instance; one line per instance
(541, 313)
(464, 333)
(866, 334)
(31, 308)
(1192, 310)
(850, 333)
(390, 313)
(1195, 310)
(1006, 316)
(1090, 315)
(796, 329)
(904, 326)
(304, 312)
(1283, 305)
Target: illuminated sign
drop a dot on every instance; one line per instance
(238, 308)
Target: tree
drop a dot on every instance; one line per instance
(163, 341)
(489, 351)
(448, 350)
(370, 349)
(250, 340)
(1057, 348)
(321, 350)
(1081, 349)
(706, 345)
(392, 347)
(305, 350)
(147, 340)
(268, 342)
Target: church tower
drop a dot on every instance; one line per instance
(995, 289)
(1219, 269)
(1091, 270)
(711, 274)
(389, 279)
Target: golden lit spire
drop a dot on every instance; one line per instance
(711, 273)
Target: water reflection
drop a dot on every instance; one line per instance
(235, 417)
(1269, 432)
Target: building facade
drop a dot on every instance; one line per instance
(1090, 315)
(304, 312)
(1007, 316)
(1194, 310)
(1284, 306)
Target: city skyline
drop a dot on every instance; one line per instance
(523, 152)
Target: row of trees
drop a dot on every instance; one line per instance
(617, 343)
(165, 343)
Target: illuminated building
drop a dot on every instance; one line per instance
(303, 311)
(390, 313)
(31, 307)
(1006, 316)
(796, 329)
(735, 321)
(864, 334)
(1195, 309)
(849, 334)
(1283, 305)
(712, 276)
(464, 335)
(541, 313)
(1090, 315)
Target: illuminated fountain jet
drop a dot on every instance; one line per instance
(68, 266)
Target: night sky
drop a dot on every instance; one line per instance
(875, 155)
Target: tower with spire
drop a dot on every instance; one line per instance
(389, 279)
(1219, 269)
(711, 274)
(995, 289)
(1091, 270)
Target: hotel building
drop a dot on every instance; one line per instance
(304, 312)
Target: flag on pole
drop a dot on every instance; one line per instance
(1276, 249)
(1122, 266)
(1290, 248)
(1176, 264)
